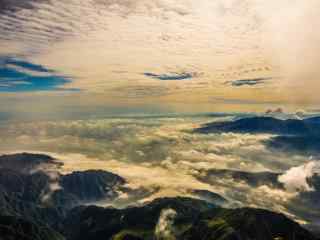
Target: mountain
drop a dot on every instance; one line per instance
(296, 136)
(92, 184)
(307, 145)
(12, 228)
(266, 125)
(209, 196)
(244, 224)
(20, 192)
(88, 186)
(180, 218)
(312, 197)
(27, 162)
(46, 205)
(313, 120)
(46, 196)
(93, 222)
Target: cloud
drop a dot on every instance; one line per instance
(140, 91)
(221, 38)
(52, 171)
(297, 61)
(248, 82)
(53, 187)
(275, 111)
(283, 113)
(14, 5)
(46, 22)
(296, 178)
(162, 156)
(301, 113)
(164, 229)
(244, 101)
(173, 76)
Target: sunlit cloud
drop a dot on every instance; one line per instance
(107, 51)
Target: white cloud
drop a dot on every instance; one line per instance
(296, 178)
(164, 229)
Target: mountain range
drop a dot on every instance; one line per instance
(265, 125)
(44, 205)
(291, 135)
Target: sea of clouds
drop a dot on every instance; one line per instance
(164, 157)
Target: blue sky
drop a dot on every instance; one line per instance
(23, 76)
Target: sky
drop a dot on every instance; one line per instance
(87, 57)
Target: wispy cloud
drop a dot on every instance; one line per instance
(172, 76)
(14, 5)
(248, 82)
(233, 101)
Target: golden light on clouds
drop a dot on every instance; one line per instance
(241, 54)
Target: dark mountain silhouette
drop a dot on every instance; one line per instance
(13, 228)
(209, 196)
(91, 184)
(307, 145)
(243, 224)
(194, 220)
(87, 186)
(30, 193)
(313, 120)
(27, 162)
(32, 203)
(268, 125)
(292, 135)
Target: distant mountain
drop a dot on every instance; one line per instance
(306, 144)
(313, 120)
(296, 136)
(190, 219)
(268, 125)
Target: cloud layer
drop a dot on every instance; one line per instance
(165, 157)
(206, 43)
